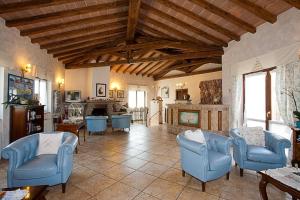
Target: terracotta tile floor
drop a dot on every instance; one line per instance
(144, 165)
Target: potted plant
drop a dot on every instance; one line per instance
(296, 112)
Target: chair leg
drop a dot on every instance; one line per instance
(241, 172)
(183, 173)
(227, 175)
(203, 186)
(63, 187)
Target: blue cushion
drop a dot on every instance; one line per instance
(262, 154)
(39, 167)
(217, 160)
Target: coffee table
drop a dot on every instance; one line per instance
(35, 192)
(282, 178)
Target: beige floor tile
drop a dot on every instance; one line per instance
(117, 172)
(118, 157)
(153, 169)
(138, 180)
(164, 189)
(175, 175)
(72, 192)
(118, 191)
(99, 165)
(134, 163)
(191, 194)
(80, 174)
(144, 196)
(95, 184)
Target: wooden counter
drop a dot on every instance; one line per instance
(182, 117)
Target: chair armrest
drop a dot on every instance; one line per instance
(276, 143)
(65, 151)
(195, 147)
(239, 143)
(223, 144)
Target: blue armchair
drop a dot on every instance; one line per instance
(259, 158)
(208, 161)
(27, 169)
(96, 123)
(120, 121)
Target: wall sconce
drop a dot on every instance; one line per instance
(26, 69)
(180, 85)
(115, 86)
(61, 83)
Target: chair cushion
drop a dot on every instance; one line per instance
(39, 167)
(253, 135)
(196, 136)
(217, 160)
(262, 154)
(49, 143)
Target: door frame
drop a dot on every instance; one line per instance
(268, 89)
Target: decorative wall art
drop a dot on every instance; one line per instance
(120, 93)
(100, 90)
(165, 92)
(211, 92)
(189, 118)
(20, 88)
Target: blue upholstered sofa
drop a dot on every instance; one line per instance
(208, 161)
(96, 123)
(120, 121)
(27, 169)
(259, 158)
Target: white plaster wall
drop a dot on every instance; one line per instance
(86, 79)
(192, 84)
(272, 45)
(17, 51)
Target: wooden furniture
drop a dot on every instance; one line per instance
(282, 178)
(35, 192)
(296, 146)
(73, 127)
(25, 120)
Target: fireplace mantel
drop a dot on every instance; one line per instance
(207, 117)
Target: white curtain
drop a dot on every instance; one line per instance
(236, 108)
(287, 78)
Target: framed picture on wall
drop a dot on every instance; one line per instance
(120, 94)
(100, 90)
(111, 94)
(165, 92)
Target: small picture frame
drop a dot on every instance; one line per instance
(111, 94)
(165, 92)
(100, 90)
(120, 93)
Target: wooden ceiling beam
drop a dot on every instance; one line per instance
(166, 65)
(90, 43)
(98, 35)
(170, 29)
(294, 3)
(190, 74)
(184, 25)
(66, 13)
(145, 28)
(133, 15)
(256, 10)
(157, 65)
(146, 68)
(152, 59)
(77, 32)
(29, 5)
(60, 26)
(225, 15)
(200, 19)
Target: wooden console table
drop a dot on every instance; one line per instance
(73, 128)
(296, 146)
(282, 178)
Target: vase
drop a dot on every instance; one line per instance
(297, 124)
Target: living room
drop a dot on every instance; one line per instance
(158, 99)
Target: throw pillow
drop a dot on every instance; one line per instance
(253, 135)
(49, 143)
(196, 136)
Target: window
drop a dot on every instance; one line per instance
(41, 89)
(136, 98)
(260, 102)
